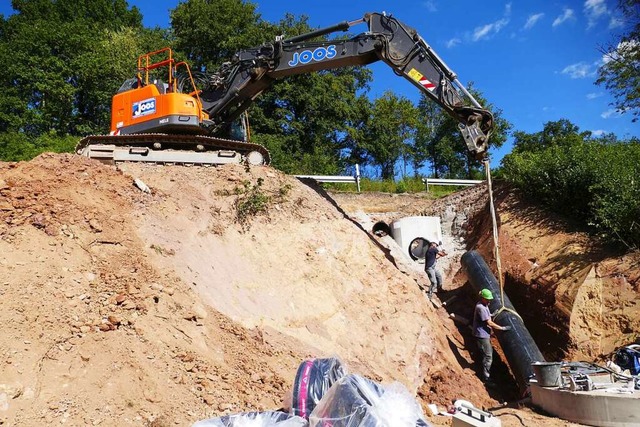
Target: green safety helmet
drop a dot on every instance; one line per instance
(486, 294)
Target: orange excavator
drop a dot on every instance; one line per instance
(201, 118)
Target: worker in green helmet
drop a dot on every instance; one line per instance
(482, 326)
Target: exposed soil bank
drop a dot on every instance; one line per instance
(577, 295)
(127, 308)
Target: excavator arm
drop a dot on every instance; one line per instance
(233, 88)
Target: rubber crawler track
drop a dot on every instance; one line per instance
(176, 142)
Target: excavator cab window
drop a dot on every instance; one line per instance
(128, 85)
(237, 130)
(162, 86)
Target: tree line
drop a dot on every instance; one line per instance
(64, 59)
(590, 179)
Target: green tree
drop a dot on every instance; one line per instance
(314, 116)
(63, 60)
(209, 32)
(620, 73)
(443, 143)
(305, 121)
(591, 180)
(561, 132)
(430, 117)
(389, 133)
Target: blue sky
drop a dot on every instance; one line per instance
(536, 61)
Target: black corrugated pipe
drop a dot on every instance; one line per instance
(518, 346)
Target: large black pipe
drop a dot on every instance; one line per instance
(518, 346)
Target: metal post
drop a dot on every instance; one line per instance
(358, 177)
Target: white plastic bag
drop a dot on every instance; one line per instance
(354, 401)
(255, 419)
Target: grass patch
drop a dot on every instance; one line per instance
(403, 186)
(254, 200)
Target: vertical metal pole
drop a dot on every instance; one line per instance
(358, 177)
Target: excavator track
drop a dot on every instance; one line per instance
(171, 149)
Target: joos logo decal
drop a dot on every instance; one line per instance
(142, 108)
(318, 54)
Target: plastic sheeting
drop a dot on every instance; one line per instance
(313, 380)
(354, 401)
(255, 419)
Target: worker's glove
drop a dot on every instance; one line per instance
(506, 328)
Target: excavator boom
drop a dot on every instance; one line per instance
(210, 112)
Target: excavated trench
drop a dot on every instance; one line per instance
(577, 301)
(547, 326)
(535, 302)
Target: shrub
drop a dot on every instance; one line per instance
(593, 182)
(16, 146)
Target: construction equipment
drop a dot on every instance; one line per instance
(177, 122)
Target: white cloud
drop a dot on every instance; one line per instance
(579, 70)
(624, 50)
(594, 95)
(430, 5)
(615, 22)
(507, 9)
(568, 14)
(453, 42)
(485, 31)
(532, 20)
(598, 132)
(611, 113)
(595, 9)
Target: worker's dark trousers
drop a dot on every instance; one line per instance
(486, 353)
(435, 279)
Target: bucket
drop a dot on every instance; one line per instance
(547, 373)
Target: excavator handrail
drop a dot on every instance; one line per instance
(145, 64)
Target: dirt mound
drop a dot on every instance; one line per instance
(129, 308)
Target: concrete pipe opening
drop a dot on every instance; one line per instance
(418, 248)
(381, 228)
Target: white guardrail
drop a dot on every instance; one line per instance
(355, 179)
(461, 182)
